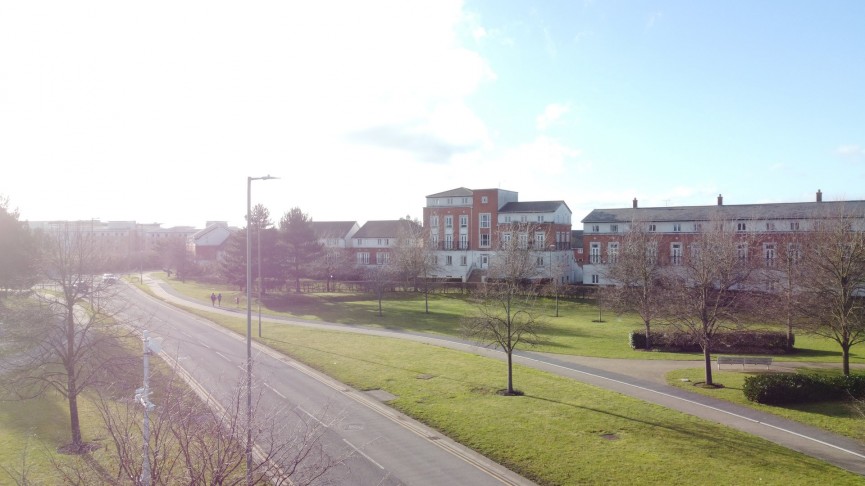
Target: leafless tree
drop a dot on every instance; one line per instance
(204, 443)
(833, 279)
(507, 314)
(414, 258)
(379, 278)
(66, 341)
(637, 275)
(707, 285)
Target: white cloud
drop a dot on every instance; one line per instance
(552, 113)
(653, 19)
(850, 151)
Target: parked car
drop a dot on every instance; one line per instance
(109, 278)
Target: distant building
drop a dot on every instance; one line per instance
(373, 243)
(208, 244)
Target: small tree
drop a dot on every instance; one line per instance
(379, 277)
(833, 283)
(506, 311)
(68, 342)
(707, 285)
(637, 275)
(300, 245)
(414, 258)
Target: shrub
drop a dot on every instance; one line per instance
(784, 388)
(728, 342)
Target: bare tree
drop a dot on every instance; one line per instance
(637, 275)
(506, 305)
(379, 278)
(833, 283)
(414, 258)
(66, 342)
(707, 285)
(204, 443)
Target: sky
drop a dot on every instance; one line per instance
(158, 111)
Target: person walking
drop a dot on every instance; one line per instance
(213, 299)
(219, 299)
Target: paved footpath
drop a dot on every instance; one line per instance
(642, 379)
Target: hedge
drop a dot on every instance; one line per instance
(729, 342)
(785, 388)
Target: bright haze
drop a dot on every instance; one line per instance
(158, 111)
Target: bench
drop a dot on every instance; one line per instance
(744, 360)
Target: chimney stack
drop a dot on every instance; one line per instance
(720, 200)
(819, 195)
(635, 203)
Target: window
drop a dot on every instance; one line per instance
(698, 227)
(434, 239)
(595, 252)
(382, 257)
(507, 219)
(484, 199)
(614, 228)
(485, 220)
(769, 254)
(676, 253)
(435, 260)
(449, 242)
(540, 218)
(434, 221)
(464, 242)
(695, 251)
(485, 240)
(742, 251)
(539, 261)
(359, 242)
(794, 226)
(652, 228)
(464, 260)
(740, 226)
(652, 252)
(794, 253)
(363, 258)
(677, 227)
(506, 238)
(596, 228)
(449, 221)
(770, 226)
(450, 201)
(449, 260)
(464, 221)
(524, 218)
(540, 240)
(613, 252)
(595, 279)
(523, 241)
(465, 200)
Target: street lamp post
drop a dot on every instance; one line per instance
(249, 325)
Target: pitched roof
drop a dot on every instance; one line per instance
(332, 229)
(801, 210)
(533, 207)
(384, 229)
(458, 192)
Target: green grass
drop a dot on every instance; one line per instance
(574, 332)
(838, 417)
(560, 431)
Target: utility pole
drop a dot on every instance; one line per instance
(142, 396)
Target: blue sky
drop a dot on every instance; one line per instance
(158, 112)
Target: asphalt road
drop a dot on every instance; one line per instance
(641, 379)
(378, 445)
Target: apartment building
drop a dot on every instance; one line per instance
(770, 229)
(466, 226)
(373, 243)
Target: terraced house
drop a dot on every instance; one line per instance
(770, 233)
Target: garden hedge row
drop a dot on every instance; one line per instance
(729, 342)
(785, 388)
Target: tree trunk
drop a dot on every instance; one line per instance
(845, 358)
(510, 373)
(707, 357)
(74, 423)
(648, 335)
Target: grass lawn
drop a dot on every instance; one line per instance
(838, 417)
(560, 432)
(574, 332)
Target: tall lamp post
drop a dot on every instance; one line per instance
(249, 324)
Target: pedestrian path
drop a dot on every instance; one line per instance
(642, 379)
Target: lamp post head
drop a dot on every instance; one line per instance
(264, 178)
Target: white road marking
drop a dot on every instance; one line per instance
(364, 455)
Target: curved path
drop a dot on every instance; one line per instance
(643, 379)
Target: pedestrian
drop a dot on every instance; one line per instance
(219, 299)
(213, 299)
(237, 301)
